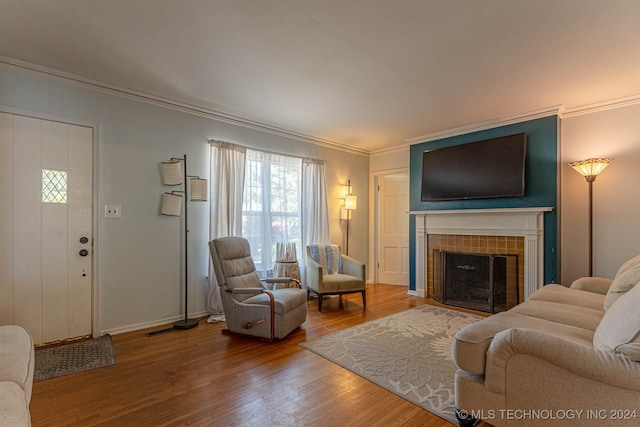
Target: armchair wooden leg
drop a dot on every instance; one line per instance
(364, 298)
(319, 302)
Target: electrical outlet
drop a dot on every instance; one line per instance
(112, 211)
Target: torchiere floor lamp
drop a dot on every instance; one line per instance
(590, 169)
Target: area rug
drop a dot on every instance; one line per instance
(67, 359)
(408, 353)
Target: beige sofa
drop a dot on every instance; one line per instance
(567, 356)
(16, 375)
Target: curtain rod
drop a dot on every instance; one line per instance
(307, 159)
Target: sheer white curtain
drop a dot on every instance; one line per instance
(315, 213)
(227, 183)
(271, 204)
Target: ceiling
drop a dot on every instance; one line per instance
(368, 74)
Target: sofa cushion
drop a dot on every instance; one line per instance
(598, 285)
(470, 344)
(17, 357)
(14, 408)
(627, 265)
(566, 314)
(622, 283)
(564, 295)
(619, 330)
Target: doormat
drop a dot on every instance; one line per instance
(68, 359)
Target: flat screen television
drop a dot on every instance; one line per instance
(477, 170)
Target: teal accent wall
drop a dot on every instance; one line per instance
(541, 183)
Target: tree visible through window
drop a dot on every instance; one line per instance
(271, 204)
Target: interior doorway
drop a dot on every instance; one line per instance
(392, 228)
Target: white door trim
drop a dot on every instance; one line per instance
(95, 127)
(374, 212)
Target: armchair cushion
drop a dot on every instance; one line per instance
(328, 256)
(247, 303)
(286, 299)
(341, 283)
(619, 330)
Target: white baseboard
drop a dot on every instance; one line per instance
(160, 322)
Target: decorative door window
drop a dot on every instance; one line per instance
(54, 186)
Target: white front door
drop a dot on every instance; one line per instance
(393, 265)
(46, 227)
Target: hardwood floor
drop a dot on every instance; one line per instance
(201, 377)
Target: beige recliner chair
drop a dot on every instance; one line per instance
(329, 272)
(249, 307)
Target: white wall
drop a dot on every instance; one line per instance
(609, 133)
(616, 194)
(139, 256)
(387, 162)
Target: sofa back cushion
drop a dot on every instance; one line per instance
(627, 265)
(622, 283)
(619, 330)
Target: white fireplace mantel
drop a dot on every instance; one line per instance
(523, 222)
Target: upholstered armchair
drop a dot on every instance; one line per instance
(249, 306)
(329, 272)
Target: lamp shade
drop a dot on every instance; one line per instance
(590, 168)
(198, 189)
(172, 172)
(350, 202)
(171, 204)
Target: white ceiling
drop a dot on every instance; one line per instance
(368, 74)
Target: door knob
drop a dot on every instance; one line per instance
(84, 252)
(84, 239)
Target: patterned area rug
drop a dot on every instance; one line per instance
(408, 353)
(67, 359)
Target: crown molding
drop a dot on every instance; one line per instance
(601, 106)
(489, 124)
(174, 104)
(388, 150)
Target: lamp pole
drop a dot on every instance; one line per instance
(590, 180)
(186, 323)
(590, 169)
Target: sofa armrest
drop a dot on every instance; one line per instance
(571, 356)
(599, 285)
(353, 267)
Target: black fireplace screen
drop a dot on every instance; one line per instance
(477, 281)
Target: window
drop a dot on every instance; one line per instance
(271, 204)
(54, 186)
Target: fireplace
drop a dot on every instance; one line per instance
(476, 281)
(526, 224)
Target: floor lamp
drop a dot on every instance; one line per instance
(174, 172)
(590, 169)
(350, 204)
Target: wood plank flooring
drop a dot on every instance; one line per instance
(201, 377)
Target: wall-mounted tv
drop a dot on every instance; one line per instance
(477, 170)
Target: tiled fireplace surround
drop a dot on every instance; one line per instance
(518, 231)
